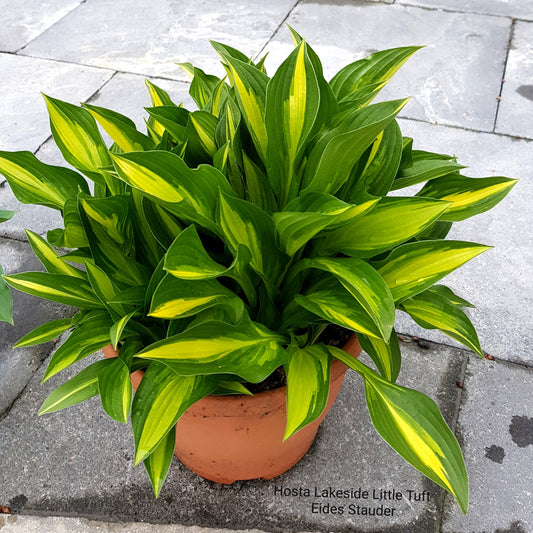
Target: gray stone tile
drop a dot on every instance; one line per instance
(17, 366)
(23, 117)
(24, 20)
(498, 282)
(57, 524)
(454, 80)
(515, 115)
(82, 465)
(522, 9)
(151, 41)
(496, 429)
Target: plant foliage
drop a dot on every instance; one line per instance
(217, 246)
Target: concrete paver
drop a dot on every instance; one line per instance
(33, 524)
(516, 106)
(23, 117)
(455, 80)
(497, 282)
(522, 9)
(496, 430)
(111, 34)
(24, 20)
(83, 466)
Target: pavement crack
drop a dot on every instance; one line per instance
(507, 52)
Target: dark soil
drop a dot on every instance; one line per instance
(333, 335)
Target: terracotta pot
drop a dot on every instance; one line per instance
(231, 438)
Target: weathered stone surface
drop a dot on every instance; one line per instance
(151, 41)
(455, 80)
(24, 20)
(33, 524)
(496, 428)
(522, 9)
(17, 366)
(83, 466)
(515, 115)
(23, 118)
(498, 282)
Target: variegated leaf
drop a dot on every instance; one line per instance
(413, 267)
(248, 350)
(158, 462)
(432, 310)
(115, 389)
(45, 333)
(162, 397)
(308, 372)
(386, 355)
(412, 424)
(392, 221)
(468, 196)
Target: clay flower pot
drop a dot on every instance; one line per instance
(231, 438)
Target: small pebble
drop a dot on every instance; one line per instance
(489, 357)
(460, 384)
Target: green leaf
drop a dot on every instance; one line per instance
(246, 224)
(164, 225)
(170, 118)
(6, 301)
(46, 332)
(115, 333)
(378, 68)
(447, 293)
(162, 397)
(121, 129)
(248, 350)
(258, 189)
(76, 135)
(157, 464)
(187, 258)
(78, 389)
(250, 90)
(364, 284)
(424, 170)
(468, 196)
(202, 86)
(50, 259)
(56, 287)
(386, 355)
(331, 301)
(88, 337)
(414, 267)
(380, 168)
(166, 176)
(335, 154)
(432, 310)
(392, 221)
(411, 424)
(307, 385)
(292, 105)
(179, 298)
(200, 134)
(115, 389)
(33, 182)
(6, 215)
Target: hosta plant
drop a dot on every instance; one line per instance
(216, 247)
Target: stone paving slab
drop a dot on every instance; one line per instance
(522, 9)
(111, 34)
(455, 80)
(18, 366)
(515, 115)
(23, 117)
(496, 430)
(498, 282)
(33, 524)
(82, 466)
(24, 20)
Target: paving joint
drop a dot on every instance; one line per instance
(275, 32)
(460, 12)
(509, 46)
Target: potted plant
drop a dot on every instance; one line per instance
(214, 250)
(6, 302)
